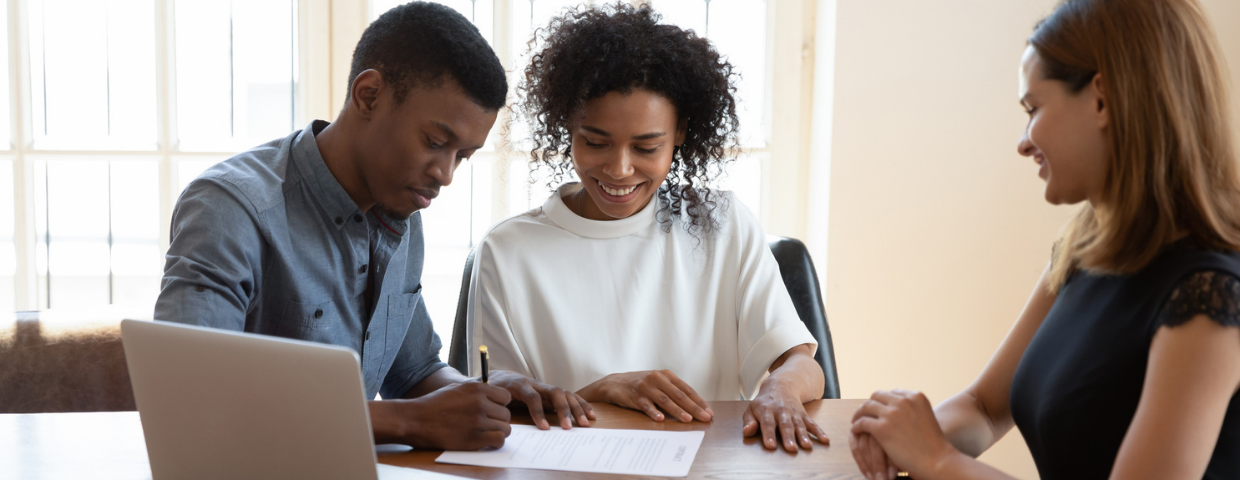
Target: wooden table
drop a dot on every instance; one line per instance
(110, 445)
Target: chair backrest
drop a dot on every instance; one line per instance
(458, 349)
(799, 277)
(801, 280)
(62, 367)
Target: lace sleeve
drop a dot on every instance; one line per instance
(1214, 294)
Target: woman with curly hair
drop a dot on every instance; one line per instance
(639, 285)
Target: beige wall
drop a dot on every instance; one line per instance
(938, 229)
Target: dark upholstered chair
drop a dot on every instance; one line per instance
(458, 349)
(802, 282)
(62, 366)
(799, 276)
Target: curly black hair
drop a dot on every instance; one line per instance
(589, 52)
(422, 44)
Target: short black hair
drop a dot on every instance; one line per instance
(592, 51)
(424, 43)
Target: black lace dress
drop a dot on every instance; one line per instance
(1077, 387)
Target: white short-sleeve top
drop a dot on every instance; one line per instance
(568, 300)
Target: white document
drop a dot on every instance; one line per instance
(390, 472)
(596, 450)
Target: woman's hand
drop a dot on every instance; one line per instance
(775, 411)
(907, 432)
(779, 410)
(871, 457)
(650, 391)
(539, 396)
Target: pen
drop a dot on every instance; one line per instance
(482, 351)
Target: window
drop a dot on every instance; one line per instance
(8, 188)
(237, 84)
(92, 74)
(738, 30)
(119, 105)
(8, 250)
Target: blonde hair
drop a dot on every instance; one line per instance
(1172, 169)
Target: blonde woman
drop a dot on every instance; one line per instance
(1125, 363)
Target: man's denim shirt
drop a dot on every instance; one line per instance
(269, 242)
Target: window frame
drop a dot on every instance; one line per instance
(310, 73)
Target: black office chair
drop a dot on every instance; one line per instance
(799, 277)
(458, 349)
(801, 280)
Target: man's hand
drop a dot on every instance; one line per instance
(539, 397)
(462, 416)
(649, 391)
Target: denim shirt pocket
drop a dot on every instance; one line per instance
(401, 305)
(309, 321)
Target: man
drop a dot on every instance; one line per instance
(316, 237)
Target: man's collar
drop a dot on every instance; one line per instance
(337, 205)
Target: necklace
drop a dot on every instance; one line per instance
(581, 207)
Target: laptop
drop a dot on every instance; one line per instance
(219, 404)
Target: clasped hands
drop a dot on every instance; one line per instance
(897, 430)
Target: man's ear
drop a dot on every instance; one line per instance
(1099, 100)
(682, 129)
(364, 95)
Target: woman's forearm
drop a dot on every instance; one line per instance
(797, 373)
(966, 424)
(960, 467)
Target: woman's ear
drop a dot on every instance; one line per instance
(681, 129)
(365, 91)
(1099, 100)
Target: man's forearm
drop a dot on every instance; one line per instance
(386, 423)
(449, 415)
(390, 423)
(435, 381)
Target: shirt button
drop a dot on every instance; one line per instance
(339, 220)
(199, 288)
(318, 313)
(363, 269)
(367, 336)
(357, 217)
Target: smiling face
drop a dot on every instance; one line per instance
(411, 149)
(1066, 135)
(622, 151)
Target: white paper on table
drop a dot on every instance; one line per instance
(389, 472)
(596, 450)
